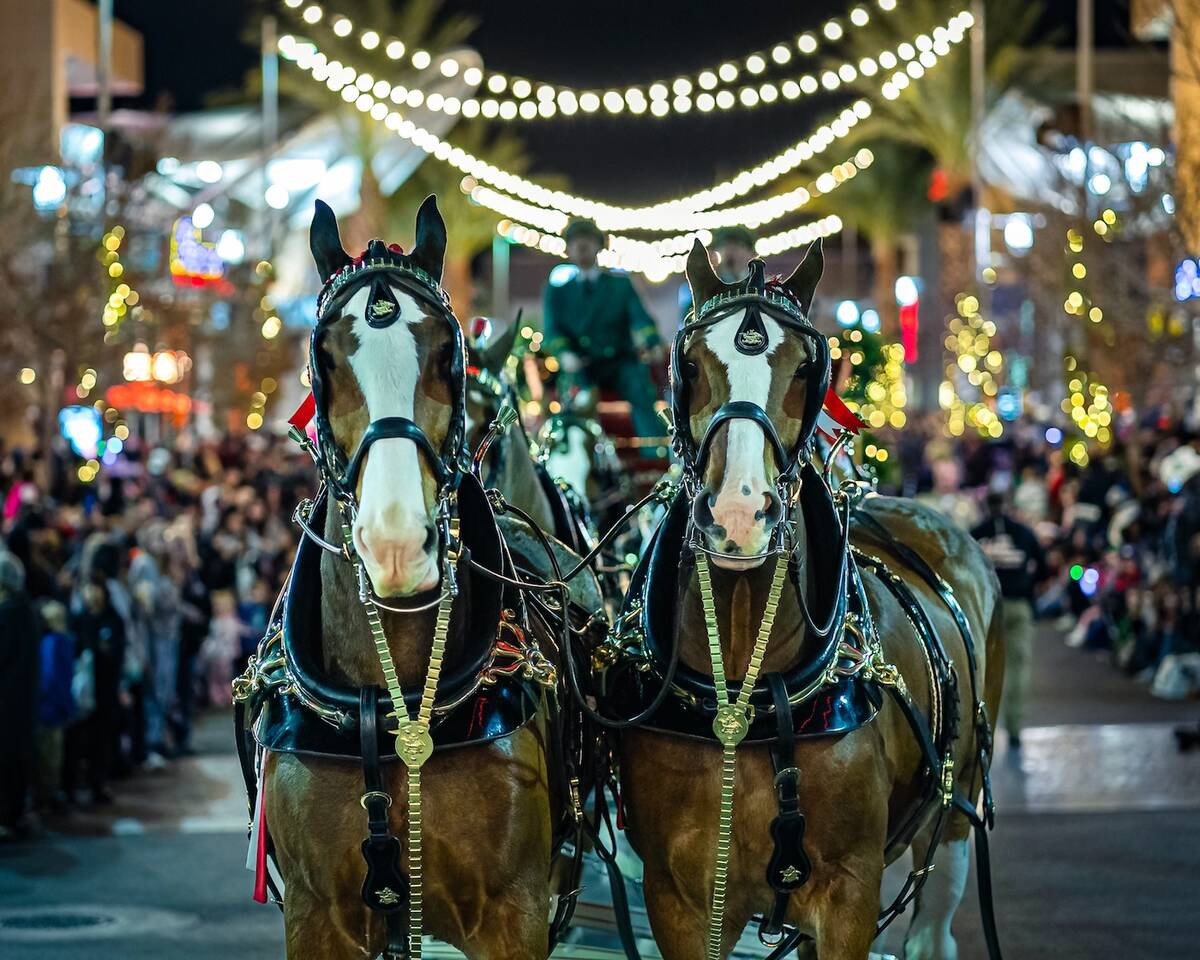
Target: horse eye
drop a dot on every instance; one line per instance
(691, 369)
(803, 369)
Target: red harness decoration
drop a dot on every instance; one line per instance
(260, 840)
(304, 413)
(837, 411)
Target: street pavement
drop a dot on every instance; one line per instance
(1095, 852)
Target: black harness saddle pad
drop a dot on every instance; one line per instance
(284, 726)
(657, 585)
(492, 712)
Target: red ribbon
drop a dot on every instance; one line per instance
(260, 853)
(304, 413)
(837, 409)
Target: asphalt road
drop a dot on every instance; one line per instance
(1096, 852)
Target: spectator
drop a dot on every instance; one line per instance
(158, 605)
(222, 647)
(18, 696)
(95, 742)
(1020, 565)
(56, 707)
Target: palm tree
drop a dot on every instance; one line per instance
(471, 227)
(422, 25)
(934, 114)
(884, 203)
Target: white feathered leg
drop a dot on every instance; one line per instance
(929, 936)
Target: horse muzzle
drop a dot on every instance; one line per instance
(737, 527)
(399, 561)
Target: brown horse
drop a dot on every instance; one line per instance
(855, 788)
(508, 464)
(487, 823)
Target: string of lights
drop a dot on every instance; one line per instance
(514, 98)
(916, 57)
(1090, 408)
(637, 256)
(122, 298)
(1080, 302)
(969, 342)
(672, 215)
(752, 215)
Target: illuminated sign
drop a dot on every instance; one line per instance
(193, 262)
(80, 427)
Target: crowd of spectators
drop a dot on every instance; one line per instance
(1116, 558)
(127, 604)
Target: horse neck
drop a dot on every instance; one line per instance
(347, 648)
(739, 601)
(518, 480)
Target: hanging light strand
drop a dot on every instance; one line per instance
(508, 97)
(753, 215)
(672, 215)
(637, 256)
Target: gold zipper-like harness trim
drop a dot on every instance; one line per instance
(414, 742)
(731, 725)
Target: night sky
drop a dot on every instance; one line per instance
(194, 50)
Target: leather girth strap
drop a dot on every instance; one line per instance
(385, 889)
(789, 867)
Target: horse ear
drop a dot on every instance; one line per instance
(700, 275)
(429, 253)
(802, 284)
(493, 357)
(325, 242)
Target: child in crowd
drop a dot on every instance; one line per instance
(56, 705)
(222, 647)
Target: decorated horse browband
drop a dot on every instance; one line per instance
(380, 259)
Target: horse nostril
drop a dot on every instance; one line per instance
(431, 538)
(702, 512)
(772, 508)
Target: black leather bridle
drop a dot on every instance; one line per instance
(756, 298)
(382, 267)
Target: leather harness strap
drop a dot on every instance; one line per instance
(386, 887)
(950, 796)
(789, 867)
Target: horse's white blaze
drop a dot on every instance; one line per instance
(745, 483)
(929, 936)
(574, 464)
(392, 520)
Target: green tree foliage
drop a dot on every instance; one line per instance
(934, 113)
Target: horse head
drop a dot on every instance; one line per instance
(748, 376)
(386, 364)
(572, 444)
(488, 355)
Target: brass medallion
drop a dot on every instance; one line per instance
(414, 745)
(388, 897)
(381, 309)
(731, 723)
(751, 339)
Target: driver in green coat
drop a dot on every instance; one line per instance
(596, 326)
